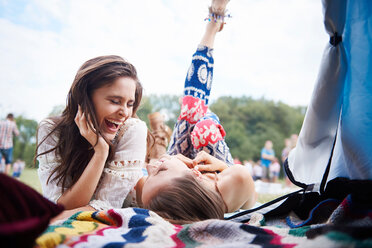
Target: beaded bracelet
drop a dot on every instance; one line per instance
(217, 16)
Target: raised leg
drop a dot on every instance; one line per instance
(196, 128)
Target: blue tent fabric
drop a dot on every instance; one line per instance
(341, 105)
(353, 151)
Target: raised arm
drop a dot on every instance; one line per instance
(215, 24)
(237, 188)
(235, 182)
(82, 191)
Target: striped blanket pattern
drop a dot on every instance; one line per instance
(135, 227)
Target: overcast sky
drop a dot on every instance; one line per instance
(268, 49)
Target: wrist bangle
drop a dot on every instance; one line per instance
(217, 16)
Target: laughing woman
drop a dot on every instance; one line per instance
(90, 156)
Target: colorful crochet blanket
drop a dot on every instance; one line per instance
(348, 225)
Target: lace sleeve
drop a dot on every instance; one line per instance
(47, 162)
(122, 174)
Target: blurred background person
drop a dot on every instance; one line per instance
(8, 128)
(257, 171)
(249, 165)
(267, 157)
(237, 161)
(274, 171)
(18, 167)
(294, 138)
(287, 148)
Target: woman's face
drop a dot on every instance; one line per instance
(163, 171)
(113, 104)
(234, 184)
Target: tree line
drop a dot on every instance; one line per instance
(248, 123)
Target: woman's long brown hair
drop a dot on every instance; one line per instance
(186, 200)
(72, 150)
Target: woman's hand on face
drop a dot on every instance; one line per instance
(186, 160)
(182, 158)
(88, 132)
(206, 162)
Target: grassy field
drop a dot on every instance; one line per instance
(29, 176)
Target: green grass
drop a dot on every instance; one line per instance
(263, 198)
(29, 176)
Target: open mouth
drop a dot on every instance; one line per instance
(113, 125)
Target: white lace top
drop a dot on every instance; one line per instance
(119, 177)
